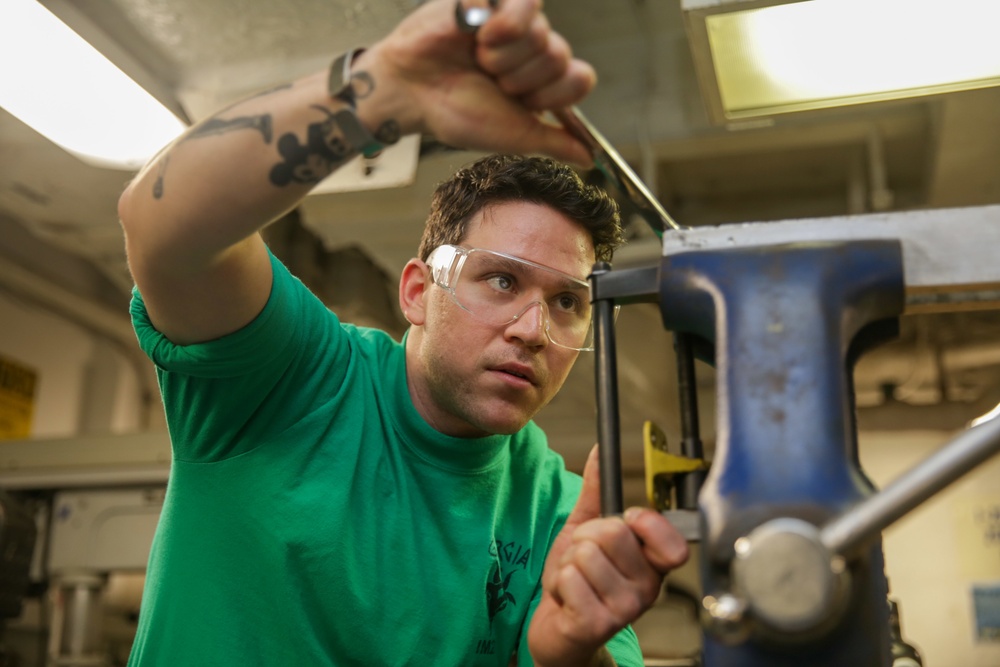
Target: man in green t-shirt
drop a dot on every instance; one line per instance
(337, 497)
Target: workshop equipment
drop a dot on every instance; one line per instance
(791, 558)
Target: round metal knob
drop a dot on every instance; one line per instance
(791, 582)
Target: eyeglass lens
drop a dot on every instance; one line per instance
(499, 289)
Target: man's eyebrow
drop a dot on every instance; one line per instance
(566, 281)
(570, 283)
(508, 264)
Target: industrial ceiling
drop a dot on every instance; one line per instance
(58, 215)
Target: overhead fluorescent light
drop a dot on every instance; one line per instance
(63, 88)
(818, 54)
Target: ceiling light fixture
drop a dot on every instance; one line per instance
(757, 60)
(63, 88)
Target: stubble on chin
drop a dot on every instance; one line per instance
(484, 411)
(466, 405)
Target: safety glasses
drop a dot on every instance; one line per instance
(498, 289)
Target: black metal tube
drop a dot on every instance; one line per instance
(687, 390)
(606, 377)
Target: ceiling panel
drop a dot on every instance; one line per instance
(936, 151)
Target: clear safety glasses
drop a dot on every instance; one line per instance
(498, 289)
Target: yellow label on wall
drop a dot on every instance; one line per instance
(17, 399)
(977, 528)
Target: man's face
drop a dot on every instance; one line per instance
(469, 378)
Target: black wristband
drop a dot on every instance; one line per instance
(339, 82)
(340, 87)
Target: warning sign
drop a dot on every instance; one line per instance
(17, 399)
(986, 604)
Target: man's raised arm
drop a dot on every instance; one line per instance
(192, 215)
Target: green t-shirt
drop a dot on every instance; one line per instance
(312, 516)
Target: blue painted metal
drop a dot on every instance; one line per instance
(783, 320)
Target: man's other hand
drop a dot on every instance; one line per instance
(601, 574)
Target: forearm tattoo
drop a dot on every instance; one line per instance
(158, 183)
(307, 161)
(326, 145)
(215, 126)
(388, 132)
(310, 161)
(325, 148)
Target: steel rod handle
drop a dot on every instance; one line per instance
(866, 520)
(608, 420)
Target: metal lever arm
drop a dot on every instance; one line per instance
(605, 156)
(786, 550)
(614, 167)
(863, 522)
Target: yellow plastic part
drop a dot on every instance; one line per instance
(659, 462)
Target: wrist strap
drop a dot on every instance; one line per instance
(340, 87)
(339, 81)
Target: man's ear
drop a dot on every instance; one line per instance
(413, 285)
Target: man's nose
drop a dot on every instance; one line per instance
(528, 326)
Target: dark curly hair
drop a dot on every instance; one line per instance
(502, 178)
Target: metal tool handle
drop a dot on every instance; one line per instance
(608, 422)
(606, 157)
(614, 166)
(786, 550)
(851, 530)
